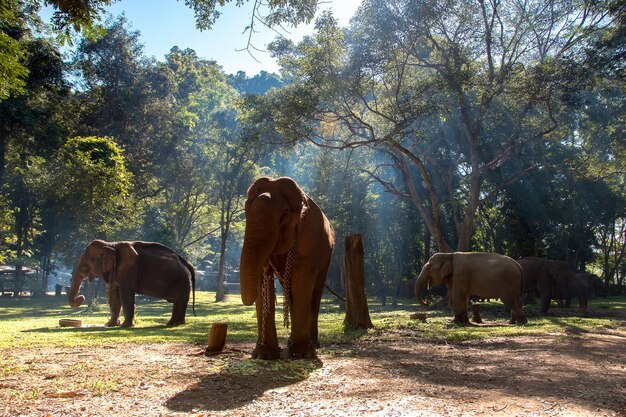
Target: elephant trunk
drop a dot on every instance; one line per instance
(421, 281)
(254, 254)
(73, 298)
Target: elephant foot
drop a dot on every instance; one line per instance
(519, 320)
(173, 322)
(127, 324)
(461, 318)
(301, 351)
(112, 323)
(266, 352)
(477, 319)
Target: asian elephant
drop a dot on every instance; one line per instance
(544, 276)
(286, 233)
(135, 267)
(486, 275)
(584, 287)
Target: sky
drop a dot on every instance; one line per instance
(167, 23)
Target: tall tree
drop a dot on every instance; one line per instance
(450, 92)
(32, 126)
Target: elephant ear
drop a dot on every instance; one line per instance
(446, 268)
(108, 259)
(127, 252)
(256, 188)
(296, 199)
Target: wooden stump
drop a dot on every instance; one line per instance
(419, 316)
(476, 313)
(357, 311)
(217, 339)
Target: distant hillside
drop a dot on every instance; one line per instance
(259, 84)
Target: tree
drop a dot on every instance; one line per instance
(11, 53)
(83, 16)
(449, 92)
(32, 127)
(89, 192)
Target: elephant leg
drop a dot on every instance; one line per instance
(461, 318)
(300, 344)
(127, 297)
(115, 305)
(178, 312)
(544, 302)
(513, 304)
(315, 306)
(267, 341)
(518, 314)
(459, 307)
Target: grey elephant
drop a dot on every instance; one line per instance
(546, 277)
(135, 267)
(287, 234)
(486, 275)
(584, 287)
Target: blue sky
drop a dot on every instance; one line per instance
(167, 23)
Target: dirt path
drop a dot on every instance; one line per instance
(390, 374)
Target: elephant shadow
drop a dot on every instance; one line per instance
(240, 382)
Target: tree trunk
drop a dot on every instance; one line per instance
(226, 218)
(217, 339)
(219, 280)
(357, 311)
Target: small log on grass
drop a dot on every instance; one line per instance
(217, 339)
(419, 316)
(357, 311)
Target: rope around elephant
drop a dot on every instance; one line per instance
(285, 281)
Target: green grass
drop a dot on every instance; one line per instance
(27, 322)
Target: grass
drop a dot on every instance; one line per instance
(34, 322)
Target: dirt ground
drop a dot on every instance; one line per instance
(391, 373)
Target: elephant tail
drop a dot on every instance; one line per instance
(193, 283)
(334, 293)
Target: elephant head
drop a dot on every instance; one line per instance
(97, 260)
(564, 278)
(438, 270)
(273, 210)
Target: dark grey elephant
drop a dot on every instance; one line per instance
(135, 268)
(584, 287)
(544, 276)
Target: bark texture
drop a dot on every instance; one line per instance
(357, 310)
(217, 338)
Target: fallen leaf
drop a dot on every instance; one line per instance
(64, 394)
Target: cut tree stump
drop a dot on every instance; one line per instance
(419, 316)
(476, 313)
(217, 339)
(357, 311)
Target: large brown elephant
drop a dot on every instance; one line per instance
(546, 277)
(135, 268)
(286, 233)
(486, 275)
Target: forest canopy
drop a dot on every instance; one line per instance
(424, 126)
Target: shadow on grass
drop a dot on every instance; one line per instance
(191, 332)
(242, 382)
